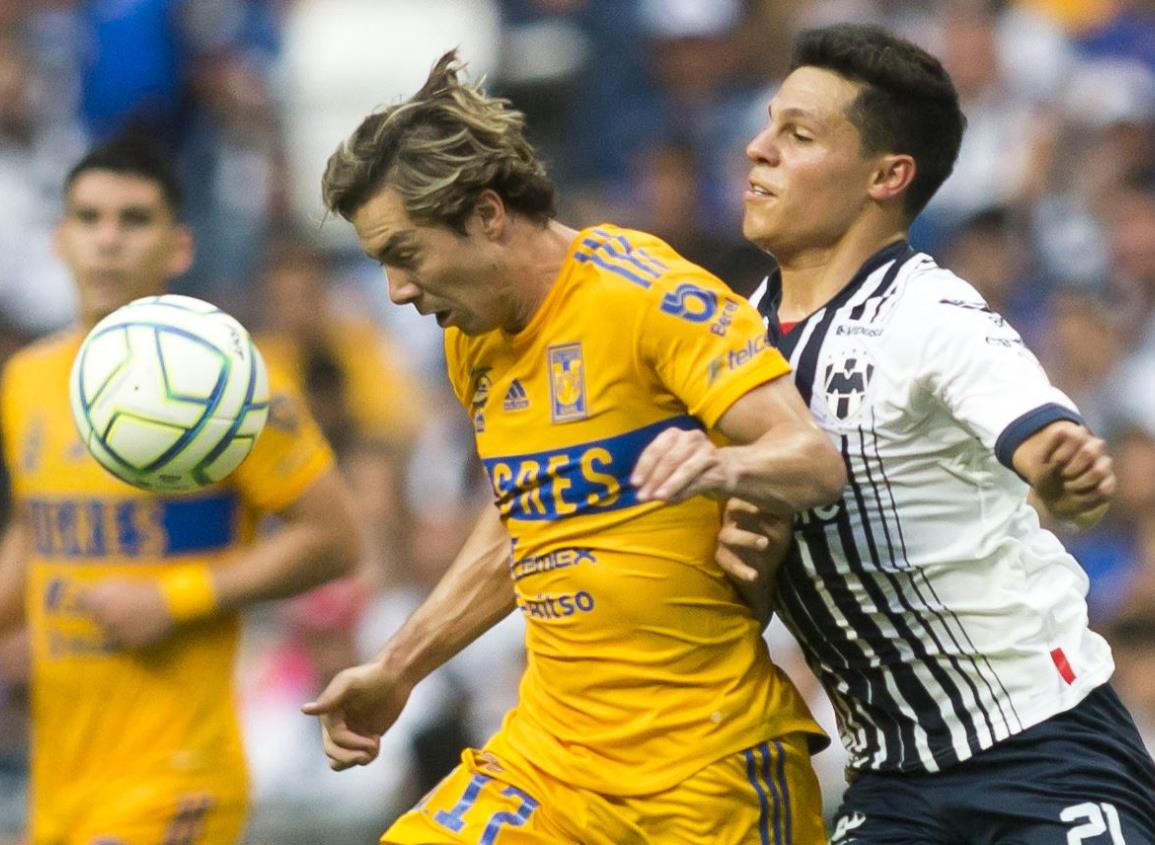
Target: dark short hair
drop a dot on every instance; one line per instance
(440, 149)
(133, 156)
(907, 103)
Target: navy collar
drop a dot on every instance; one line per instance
(768, 306)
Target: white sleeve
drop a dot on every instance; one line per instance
(977, 365)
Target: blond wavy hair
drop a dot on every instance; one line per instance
(440, 149)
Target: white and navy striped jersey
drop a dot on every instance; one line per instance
(939, 615)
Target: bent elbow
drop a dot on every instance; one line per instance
(348, 551)
(829, 475)
(342, 547)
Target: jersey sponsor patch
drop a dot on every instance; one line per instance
(481, 383)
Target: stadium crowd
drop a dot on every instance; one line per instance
(642, 109)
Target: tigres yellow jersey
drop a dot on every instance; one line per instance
(383, 402)
(644, 665)
(102, 717)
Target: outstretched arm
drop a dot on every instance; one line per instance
(13, 568)
(1069, 471)
(363, 702)
(782, 461)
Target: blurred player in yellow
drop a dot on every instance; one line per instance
(601, 371)
(131, 599)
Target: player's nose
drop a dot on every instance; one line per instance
(108, 235)
(402, 287)
(762, 148)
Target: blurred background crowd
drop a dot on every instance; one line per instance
(642, 109)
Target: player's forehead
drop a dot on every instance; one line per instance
(383, 218)
(814, 93)
(113, 189)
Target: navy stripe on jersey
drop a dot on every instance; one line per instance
(910, 689)
(898, 254)
(980, 664)
(1029, 423)
(944, 663)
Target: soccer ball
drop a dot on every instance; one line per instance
(169, 393)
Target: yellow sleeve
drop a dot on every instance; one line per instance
(290, 454)
(7, 417)
(385, 403)
(454, 363)
(707, 344)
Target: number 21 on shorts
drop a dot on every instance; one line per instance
(1096, 819)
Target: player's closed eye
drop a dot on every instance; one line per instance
(136, 217)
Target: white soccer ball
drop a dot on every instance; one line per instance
(169, 393)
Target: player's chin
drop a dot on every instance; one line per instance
(757, 230)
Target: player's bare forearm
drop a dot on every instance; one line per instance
(474, 595)
(13, 569)
(318, 540)
(781, 461)
(360, 704)
(789, 469)
(1070, 473)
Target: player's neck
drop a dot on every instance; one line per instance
(812, 277)
(538, 269)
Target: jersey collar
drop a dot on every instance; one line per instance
(768, 304)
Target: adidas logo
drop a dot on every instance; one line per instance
(515, 398)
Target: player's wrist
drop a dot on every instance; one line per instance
(729, 472)
(189, 592)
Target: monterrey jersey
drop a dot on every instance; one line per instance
(104, 718)
(644, 665)
(939, 615)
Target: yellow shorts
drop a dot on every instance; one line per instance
(766, 795)
(144, 817)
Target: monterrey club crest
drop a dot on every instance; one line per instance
(845, 382)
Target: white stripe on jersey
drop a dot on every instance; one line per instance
(929, 601)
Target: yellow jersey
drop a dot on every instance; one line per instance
(384, 403)
(644, 665)
(104, 718)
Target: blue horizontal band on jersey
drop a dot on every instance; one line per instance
(1024, 426)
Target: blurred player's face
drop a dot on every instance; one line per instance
(454, 277)
(120, 240)
(810, 178)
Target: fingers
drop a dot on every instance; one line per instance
(344, 747)
(1063, 439)
(736, 508)
(1084, 453)
(734, 566)
(734, 536)
(677, 465)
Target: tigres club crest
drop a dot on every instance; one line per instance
(845, 382)
(567, 383)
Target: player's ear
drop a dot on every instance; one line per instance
(892, 176)
(183, 251)
(490, 211)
